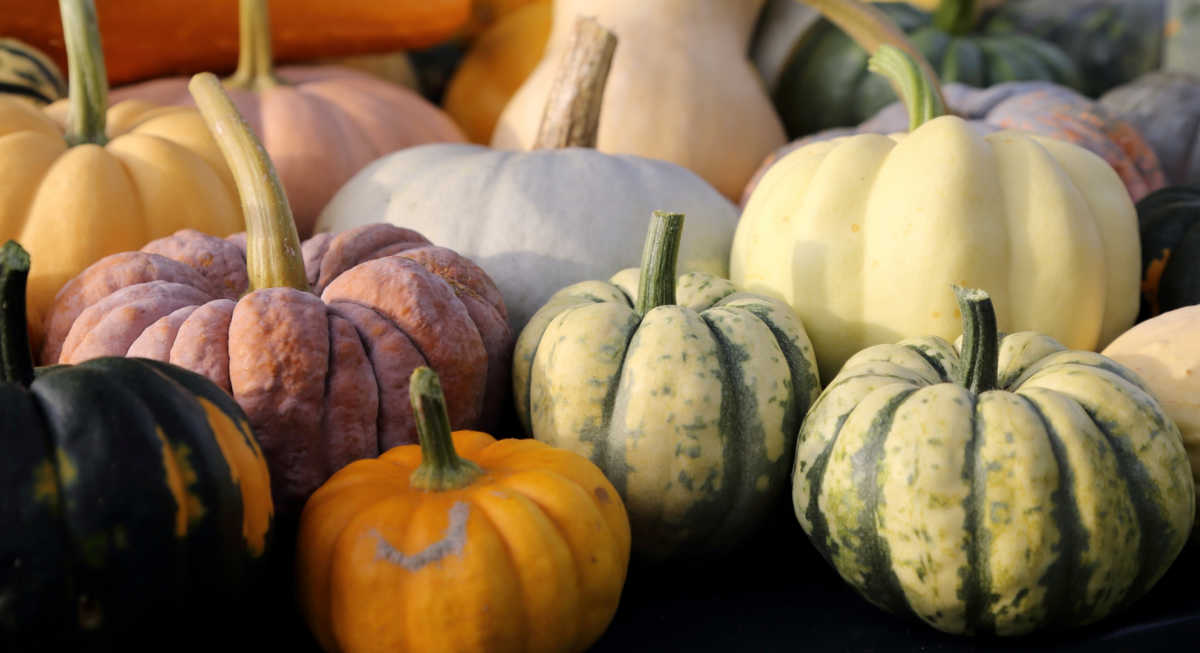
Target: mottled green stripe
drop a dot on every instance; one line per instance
(795, 344)
(977, 583)
(1063, 596)
(851, 539)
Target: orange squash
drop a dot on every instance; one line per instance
(151, 38)
(495, 67)
(320, 124)
(462, 543)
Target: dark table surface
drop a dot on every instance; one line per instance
(777, 594)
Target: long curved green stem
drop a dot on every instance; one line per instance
(441, 467)
(656, 285)
(273, 256)
(916, 91)
(256, 69)
(981, 340)
(871, 28)
(88, 85)
(16, 358)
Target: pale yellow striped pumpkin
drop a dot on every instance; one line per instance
(687, 394)
(1015, 486)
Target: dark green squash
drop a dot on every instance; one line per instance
(133, 494)
(824, 82)
(1169, 222)
(1111, 41)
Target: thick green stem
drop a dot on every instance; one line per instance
(273, 257)
(256, 70)
(955, 17)
(656, 286)
(980, 340)
(16, 359)
(441, 468)
(871, 28)
(88, 83)
(915, 90)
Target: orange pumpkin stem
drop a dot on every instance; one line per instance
(256, 70)
(572, 114)
(88, 91)
(16, 358)
(273, 255)
(441, 467)
(871, 28)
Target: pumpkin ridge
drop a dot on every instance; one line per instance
(977, 581)
(482, 510)
(1064, 593)
(1147, 500)
(368, 349)
(866, 468)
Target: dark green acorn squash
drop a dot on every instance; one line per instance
(1111, 41)
(1169, 222)
(824, 82)
(132, 494)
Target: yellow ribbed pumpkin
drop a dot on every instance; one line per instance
(80, 185)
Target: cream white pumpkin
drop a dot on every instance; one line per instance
(862, 235)
(539, 221)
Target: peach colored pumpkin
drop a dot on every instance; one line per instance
(1164, 351)
(318, 352)
(320, 124)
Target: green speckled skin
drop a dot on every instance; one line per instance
(690, 410)
(1048, 503)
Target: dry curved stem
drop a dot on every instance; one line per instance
(571, 117)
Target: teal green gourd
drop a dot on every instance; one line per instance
(825, 82)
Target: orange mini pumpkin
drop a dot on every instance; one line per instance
(515, 546)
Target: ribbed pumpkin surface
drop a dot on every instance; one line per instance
(1050, 502)
(1169, 223)
(690, 410)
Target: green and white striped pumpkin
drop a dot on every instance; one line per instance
(27, 72)
(687, 395)
(1017, 486)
